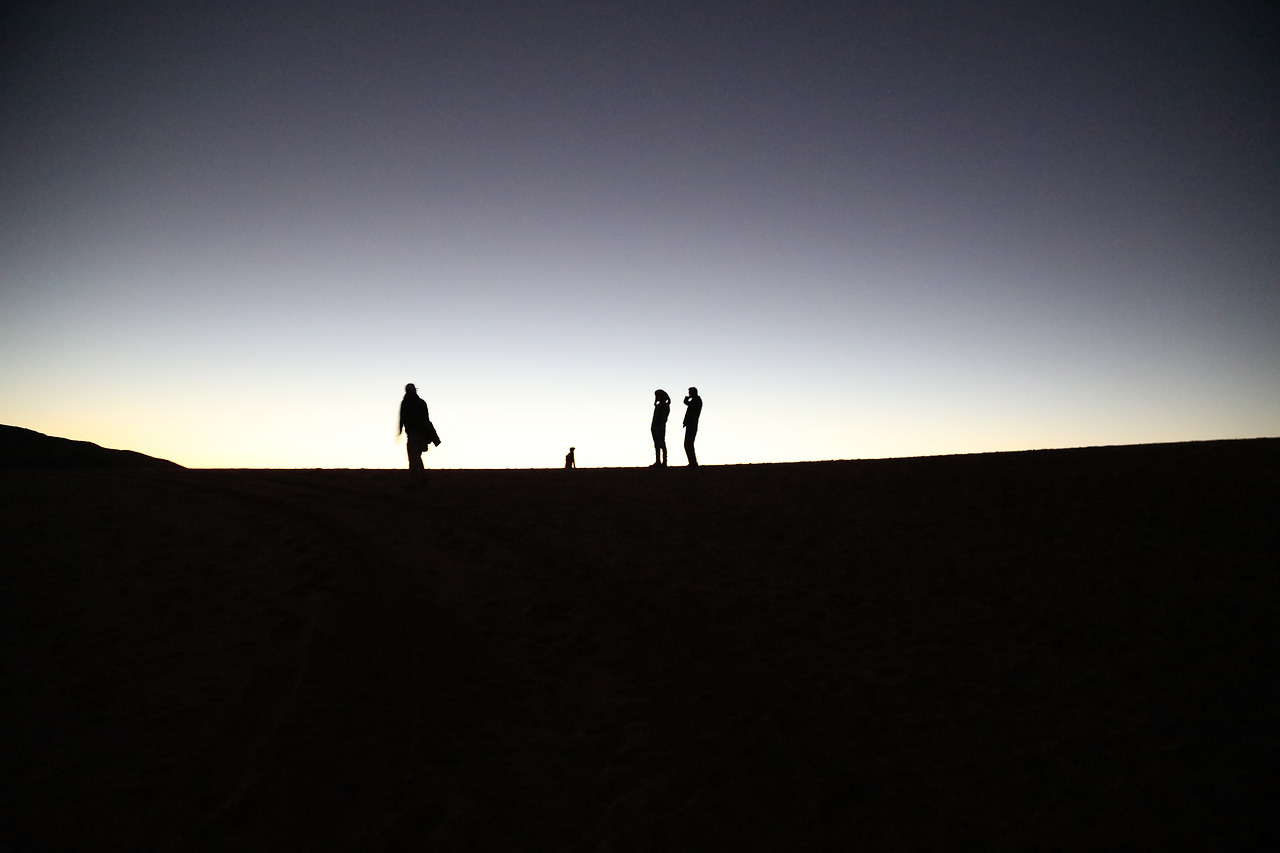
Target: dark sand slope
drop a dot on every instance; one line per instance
(1058, 649)
(25, 448)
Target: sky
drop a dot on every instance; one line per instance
(231, 232)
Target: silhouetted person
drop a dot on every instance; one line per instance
(569, 461)
(661, 409)
(691, 415)
(416, 421)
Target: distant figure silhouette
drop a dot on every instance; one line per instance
(569, 460)
(691, 415)
(416, 421)
(661, 409)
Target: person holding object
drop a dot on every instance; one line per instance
(658, 427)
(416, 421)
(691, 415)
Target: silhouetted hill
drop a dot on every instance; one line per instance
(1040, 650)
(25, 448)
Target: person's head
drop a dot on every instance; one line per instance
(693, 392)
(660, 396)
(409, 389)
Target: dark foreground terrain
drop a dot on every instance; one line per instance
(1054, 650)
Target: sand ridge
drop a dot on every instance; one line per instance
(1053, 649)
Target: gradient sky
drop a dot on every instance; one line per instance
(231, 232)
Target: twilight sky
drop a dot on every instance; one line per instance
(231, 232)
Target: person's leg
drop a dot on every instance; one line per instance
(417, 445)
(690, 434)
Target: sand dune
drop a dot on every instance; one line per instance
(26, 448)
(1058, 649)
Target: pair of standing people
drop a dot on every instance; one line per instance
(658, 427)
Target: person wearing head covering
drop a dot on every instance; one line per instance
(416, 421)
(569, 461)
(691, 415)
(658, 427)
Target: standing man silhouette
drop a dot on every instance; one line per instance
(691, 415)
(416, 421)
(658, 427)
(569, 461)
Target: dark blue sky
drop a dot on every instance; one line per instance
(861, 229)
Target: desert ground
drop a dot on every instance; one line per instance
(1041, 650)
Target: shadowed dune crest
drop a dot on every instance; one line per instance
(25, 448)
(1054, 649)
